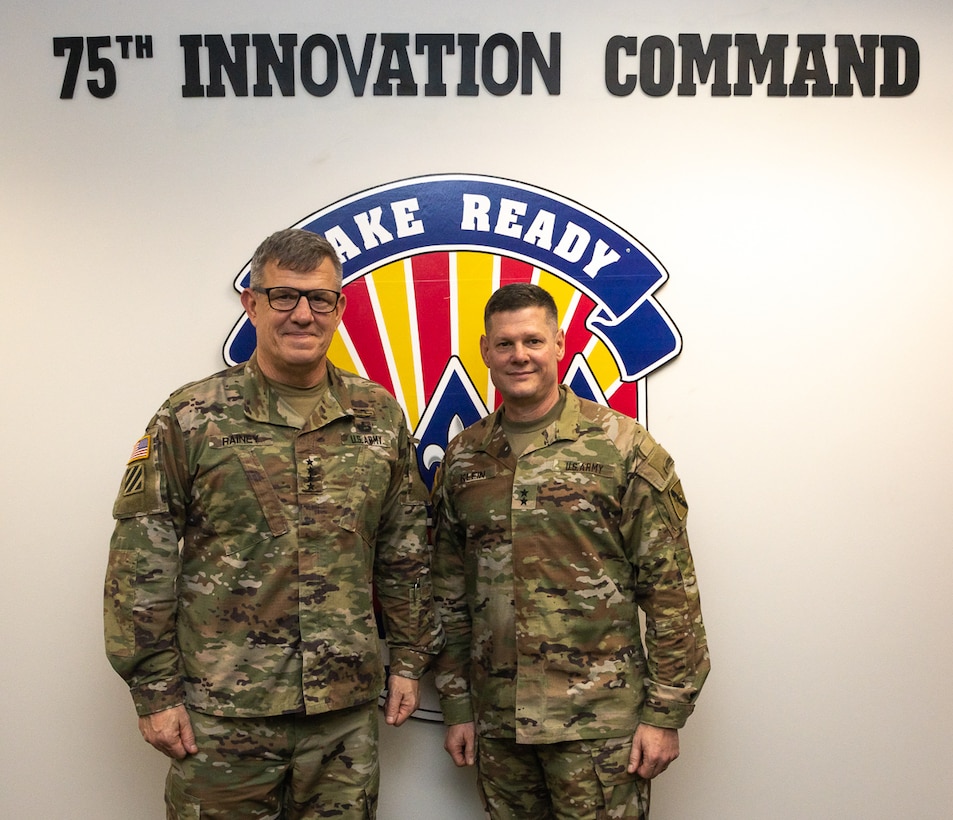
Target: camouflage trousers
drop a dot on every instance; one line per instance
(292, 767)
(574, 780)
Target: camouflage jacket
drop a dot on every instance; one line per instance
(246, 542)
(541, 564)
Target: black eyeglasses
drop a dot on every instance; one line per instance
(286, 299)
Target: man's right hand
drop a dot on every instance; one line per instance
(169, 731)
(460, 743)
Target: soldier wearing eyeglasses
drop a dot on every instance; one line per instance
(255, 516)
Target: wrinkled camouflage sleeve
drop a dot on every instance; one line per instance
(654, 530)
(403, 570)
(452, 669)
(140, 590)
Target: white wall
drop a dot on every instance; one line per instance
(808, 243)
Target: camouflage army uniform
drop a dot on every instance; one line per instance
(246, 542)
(541, 563)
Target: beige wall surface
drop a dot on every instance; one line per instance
(807, 240)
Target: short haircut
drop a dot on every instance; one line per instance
(293, 249)
(517, 296)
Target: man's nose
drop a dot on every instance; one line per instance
(302, 311)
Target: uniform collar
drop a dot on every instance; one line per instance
(564, 428)
(263, 404)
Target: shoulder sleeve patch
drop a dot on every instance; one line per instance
(134, 480)
(139, 490)
(677, 499)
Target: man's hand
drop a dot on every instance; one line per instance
(170, 732)
(460, 743)
(403, 698)
(652, 750)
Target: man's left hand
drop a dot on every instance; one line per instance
(652, 750)
(403, 698)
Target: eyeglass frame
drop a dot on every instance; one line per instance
(301, 293)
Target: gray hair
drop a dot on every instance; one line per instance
(293, 249)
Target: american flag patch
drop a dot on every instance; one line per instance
(142, 448)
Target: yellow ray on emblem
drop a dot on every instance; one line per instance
(603, 365)
(390, 284)
(562, 292)
(339, 353)
(477, 276)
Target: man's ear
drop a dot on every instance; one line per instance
(250, 303)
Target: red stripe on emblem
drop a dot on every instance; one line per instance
(365, 335)
(577, 337)
(432, 297)
(512, 270)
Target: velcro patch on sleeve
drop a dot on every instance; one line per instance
(142, 449)
(134, 480)
(677, 499)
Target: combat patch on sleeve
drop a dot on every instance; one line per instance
(134, 480)
(139, 490)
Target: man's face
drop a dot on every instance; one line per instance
(522, 349)
(293, 345)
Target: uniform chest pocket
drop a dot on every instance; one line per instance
(346, 489)
(241, 504)
(482, 494)
(593, 492)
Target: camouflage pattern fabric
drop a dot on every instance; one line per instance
(246, 542)
(572, 780)
(242, 766)
(540, 566)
